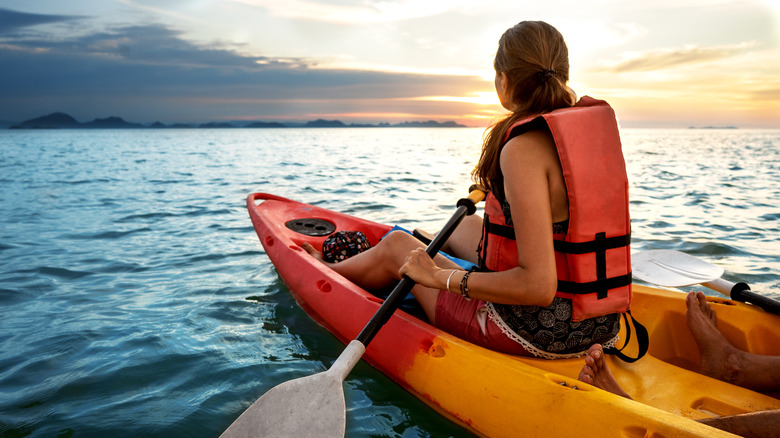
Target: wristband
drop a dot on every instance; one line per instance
(448, 279)
(464, 285)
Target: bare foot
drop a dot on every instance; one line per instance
(719, 359)
(596, 372)
(313, 252)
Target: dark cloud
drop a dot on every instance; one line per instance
(12, 21)
(146, 70)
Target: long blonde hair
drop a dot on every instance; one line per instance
(535, 59)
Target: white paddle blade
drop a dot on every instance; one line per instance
(673, 268)
(311, 406)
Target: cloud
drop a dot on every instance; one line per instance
(355, 12)
(661, 59)
(144, 73)
(12, 21)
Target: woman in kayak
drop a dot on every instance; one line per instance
(513, 303)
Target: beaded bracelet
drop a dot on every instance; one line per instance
(464, 285)
(448, 279)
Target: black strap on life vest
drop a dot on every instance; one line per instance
(537, 123)
(599, 246)
(599, 286)
(643, 340)
(500, 230)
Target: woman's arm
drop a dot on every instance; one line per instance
(531, 168)
(531, 183)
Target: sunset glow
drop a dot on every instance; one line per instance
(660, 64)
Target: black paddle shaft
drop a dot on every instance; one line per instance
(466, 207)
(741, 292)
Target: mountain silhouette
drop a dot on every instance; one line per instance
(61, 120)
(51, 121)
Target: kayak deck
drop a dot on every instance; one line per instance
(666, 377)
(495, 394)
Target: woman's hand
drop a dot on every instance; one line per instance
(421, 268)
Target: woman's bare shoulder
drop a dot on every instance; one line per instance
(533, 147)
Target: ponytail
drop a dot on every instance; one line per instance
(534, 57)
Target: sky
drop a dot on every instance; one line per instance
(660, 63)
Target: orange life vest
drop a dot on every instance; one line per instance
(593, 257)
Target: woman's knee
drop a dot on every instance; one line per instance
(400, 241)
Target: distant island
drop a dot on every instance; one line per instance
(65, 121)
(713, 127)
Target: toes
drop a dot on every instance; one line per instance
(705, 307)
(690, 300)
(595, 356)
(702, 301)
(586, 375)
(585, 379)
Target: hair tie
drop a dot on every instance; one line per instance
(546, 73)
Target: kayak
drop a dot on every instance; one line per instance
(495, 394)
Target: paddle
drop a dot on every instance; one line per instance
(674, 269)
(314, 406)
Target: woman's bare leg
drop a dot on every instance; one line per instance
(465, 239)
(723, 361)
(762, 424)
(377, 268)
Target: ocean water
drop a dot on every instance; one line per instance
(137, 300)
